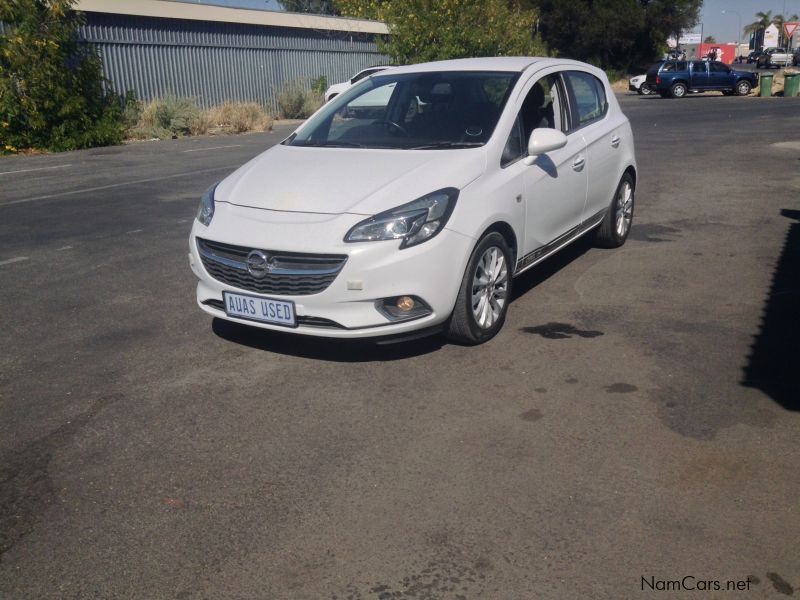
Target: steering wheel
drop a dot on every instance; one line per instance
(392, 124)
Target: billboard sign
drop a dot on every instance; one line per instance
(690, 38)
(771, 36)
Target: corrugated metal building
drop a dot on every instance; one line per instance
(214, 54)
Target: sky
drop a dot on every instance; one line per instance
(722, 26)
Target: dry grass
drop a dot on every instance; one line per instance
(171, 117)
(620, 85)
(234, 117)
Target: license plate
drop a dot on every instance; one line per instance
(256, 308)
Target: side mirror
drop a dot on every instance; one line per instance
(542, 141)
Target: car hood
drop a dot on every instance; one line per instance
(347, 180)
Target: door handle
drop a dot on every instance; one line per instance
(615, 140)
(578, 164)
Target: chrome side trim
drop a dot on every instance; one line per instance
(536, 256)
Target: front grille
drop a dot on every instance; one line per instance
(291, 273)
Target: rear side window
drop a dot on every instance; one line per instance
(668, 66)
(699, 66)
(719, 68)
(588, 95)
(674, 66)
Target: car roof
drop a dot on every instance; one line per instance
(495, 63)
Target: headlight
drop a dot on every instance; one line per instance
(413, 223)
(205, 211)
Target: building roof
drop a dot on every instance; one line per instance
(203, 12)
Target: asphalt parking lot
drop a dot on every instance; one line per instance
(636, 418)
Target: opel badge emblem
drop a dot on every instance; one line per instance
(258, 264)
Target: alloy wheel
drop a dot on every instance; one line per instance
(624, 208)
(489, 287)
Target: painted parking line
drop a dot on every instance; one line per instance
(16, 259)
(212, 148)
(64, 248)
(36, 169)
(118, 185)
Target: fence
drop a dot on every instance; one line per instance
(216, 61)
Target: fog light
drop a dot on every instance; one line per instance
(405, 303)
(403, 308)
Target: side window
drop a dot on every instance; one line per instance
(366, 73)
(681, 66)
(719, 68)
(699, 67)
(515, 147)
(588, 97)
(544, 106)
(668, 67)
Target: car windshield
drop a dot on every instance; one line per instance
(431, 110)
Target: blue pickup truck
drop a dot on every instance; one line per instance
(676, 78)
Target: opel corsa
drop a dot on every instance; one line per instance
(408, 203)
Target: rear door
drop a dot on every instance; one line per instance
(602, 135)
(699, 77)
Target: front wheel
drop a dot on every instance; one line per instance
(743, 88)
(482, 302)
(678, 90)
(616, 225)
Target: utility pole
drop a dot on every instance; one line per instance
(738, 32)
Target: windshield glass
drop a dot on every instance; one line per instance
(457, 109)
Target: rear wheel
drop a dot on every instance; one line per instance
(743, 87)
(482, 301)
(616, 225)
(678, 90)
(645, 90)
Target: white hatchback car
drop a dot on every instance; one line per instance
(414, 216)
(338, 88)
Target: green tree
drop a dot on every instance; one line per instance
(322, 7)
(763, 20)
(425, 30)
(614, 34)
(779, 20)
(710, 39)
(51, 87)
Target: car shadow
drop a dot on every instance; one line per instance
(549, 267)
(772, 365)
(327, 349)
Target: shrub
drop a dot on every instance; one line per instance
(170, 117)
(319, 85)
(240, 117)
(52, 92)
(297, 101)
(291, 100)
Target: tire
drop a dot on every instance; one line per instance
(743, 87)
(678, 90)
(645, 90)
(465, 325)
(615, 227)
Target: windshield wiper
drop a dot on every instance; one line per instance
(440, 145)
(331, 144)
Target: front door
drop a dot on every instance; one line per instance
(554, 186)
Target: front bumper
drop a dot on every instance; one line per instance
(431, 271)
